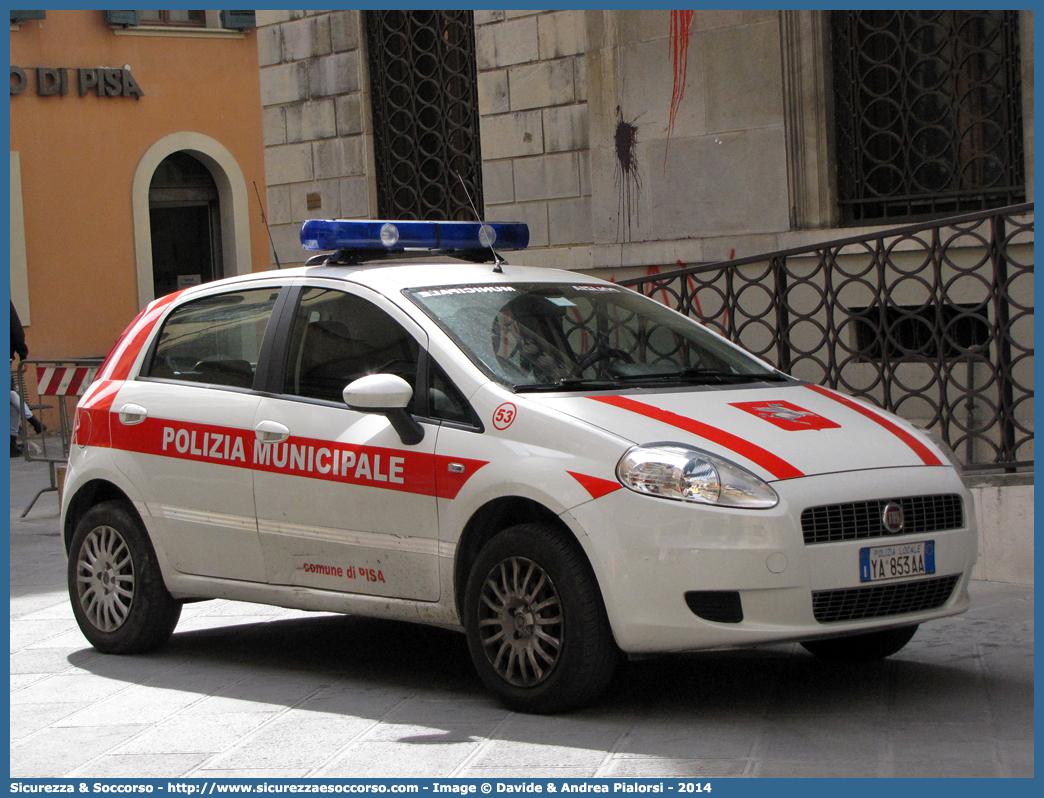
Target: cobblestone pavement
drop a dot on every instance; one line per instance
(246, 690)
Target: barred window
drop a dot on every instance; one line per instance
(425, 114)
(928, 113)
(921, 333)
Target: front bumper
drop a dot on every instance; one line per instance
(648, 553)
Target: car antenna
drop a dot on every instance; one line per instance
(269, 229)
(497, 260)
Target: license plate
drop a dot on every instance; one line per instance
(896, 561)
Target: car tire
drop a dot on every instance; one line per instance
(535, 622)
(115, 586)
(861, 648)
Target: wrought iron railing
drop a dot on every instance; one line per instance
(933, 322)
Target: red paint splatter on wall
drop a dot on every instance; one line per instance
(681, 24)
(628, 178)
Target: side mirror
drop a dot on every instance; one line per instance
(387, 395)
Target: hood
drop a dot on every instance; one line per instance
(778, 432)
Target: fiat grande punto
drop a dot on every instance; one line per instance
(565, 470)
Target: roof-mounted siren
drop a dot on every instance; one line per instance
(353, 241)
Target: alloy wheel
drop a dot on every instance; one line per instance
(105, 578)
(520, 621)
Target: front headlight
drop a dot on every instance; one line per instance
(692, 475)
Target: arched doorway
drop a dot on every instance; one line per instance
(235, 253)
(185, 222)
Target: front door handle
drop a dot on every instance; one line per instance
(271, 432)
(133, 414)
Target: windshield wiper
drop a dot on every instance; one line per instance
(569, 384)
(690, 376)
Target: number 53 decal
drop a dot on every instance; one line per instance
(504, 415)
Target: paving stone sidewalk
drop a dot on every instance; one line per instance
(246, 690)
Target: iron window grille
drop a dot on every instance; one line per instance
(936, 330)
(425, 114)
(928, 113)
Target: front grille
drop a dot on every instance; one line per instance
(877, 601)
(859, 520)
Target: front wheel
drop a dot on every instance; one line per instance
(117, 593)
(861, 648)
(535, 622)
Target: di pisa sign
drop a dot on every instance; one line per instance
(56, 81)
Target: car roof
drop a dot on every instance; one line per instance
(447, 273)
(396, 277)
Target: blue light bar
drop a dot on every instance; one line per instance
(321, 234)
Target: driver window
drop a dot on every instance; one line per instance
(339, 337)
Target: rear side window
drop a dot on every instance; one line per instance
(214, 340)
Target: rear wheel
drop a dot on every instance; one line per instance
(115, 586)
(535, 623)
(862, 648)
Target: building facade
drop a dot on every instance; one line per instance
(637, 139)
(135, 152)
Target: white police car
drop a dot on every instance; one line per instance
(562, 467)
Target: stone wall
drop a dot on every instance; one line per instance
(556, 88)
(576, 108)
(576, 134)
(315, 121)
(1004, 507)
(536, 163)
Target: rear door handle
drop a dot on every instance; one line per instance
(271, 432)
(133, 414)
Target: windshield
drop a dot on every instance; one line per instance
(557, 336)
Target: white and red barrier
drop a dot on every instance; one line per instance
(64, 380)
